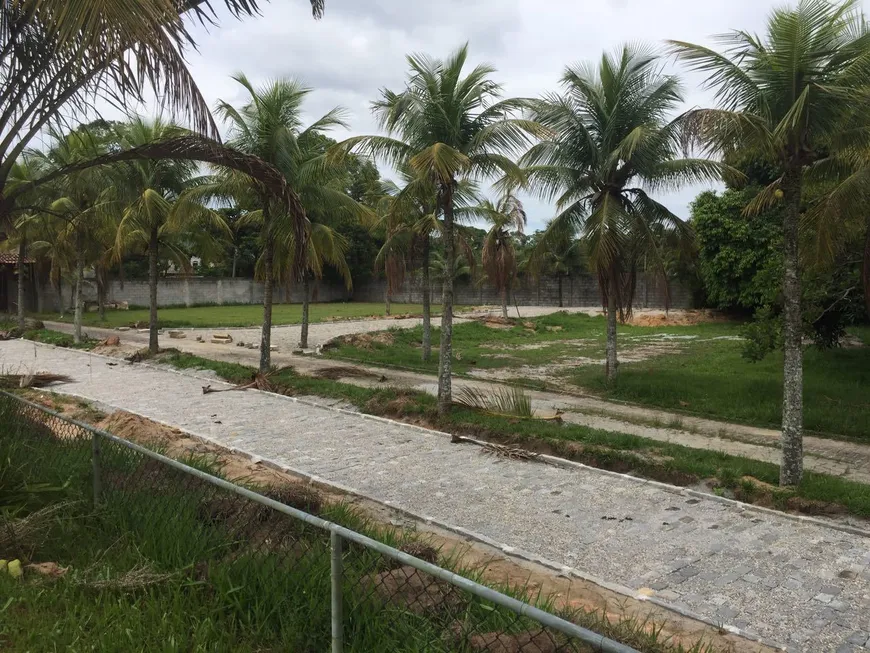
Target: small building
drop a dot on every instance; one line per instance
(9, 283)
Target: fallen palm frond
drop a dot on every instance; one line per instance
(25, 532)
(32, 380)
(259, 381)
(340, 372)
(139, 577)
(512, 453)
(497, 400)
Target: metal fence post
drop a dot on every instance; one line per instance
(337, 578)
(95, 465)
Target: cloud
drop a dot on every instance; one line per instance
(360, 45)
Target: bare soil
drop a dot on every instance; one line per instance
(676, 318)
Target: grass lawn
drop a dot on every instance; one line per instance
(670, 463)
(697, 369)
(244, 315)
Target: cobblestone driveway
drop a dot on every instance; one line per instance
(798, 583)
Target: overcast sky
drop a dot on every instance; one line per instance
(359, 46)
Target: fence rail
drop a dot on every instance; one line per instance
(371, 588)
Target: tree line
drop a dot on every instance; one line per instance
(790, 100)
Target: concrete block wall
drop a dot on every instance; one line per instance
(579, 290)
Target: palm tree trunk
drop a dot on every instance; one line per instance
(22, 254)
(100, 277)
(560, 279)
(445, 360)
(80, 279)
(61, 307)
(611, 363)
(387, 300)
(865, 271)
(306, 292)
(266, 336)
(427, 303)
(791, 440)
(235, 259)
(504, 302)
(153, 346)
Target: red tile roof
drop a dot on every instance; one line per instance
(11, 258)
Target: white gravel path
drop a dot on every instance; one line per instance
(799, 583)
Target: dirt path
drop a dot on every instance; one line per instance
(794, 581)
(838, 458)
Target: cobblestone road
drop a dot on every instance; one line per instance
(798, 583)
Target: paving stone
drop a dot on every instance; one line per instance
(689, 571)
(669, 595)
(847, 648)
(858, 638)
(726, 612)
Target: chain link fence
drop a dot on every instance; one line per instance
(277, 560)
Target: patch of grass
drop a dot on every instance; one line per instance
(712, 378)
(699, 369)
(670, 463)
(244, 315)
(59, 339)
(171, 563)
(862, 333)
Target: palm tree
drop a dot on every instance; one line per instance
(794, 97)
(557, 256)
(411, 217)
(499, 255)
(25, 170)
(611, 141)
(269, 126)
(447, 127)
(84, 216)
(398, 227)
(156, 217)
(57, 55)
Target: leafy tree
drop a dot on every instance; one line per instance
(612, 140)
(792, 97)
(739, 256)
(447, 127)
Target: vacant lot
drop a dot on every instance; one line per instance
(695, 368)
(239, 316)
